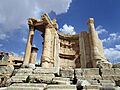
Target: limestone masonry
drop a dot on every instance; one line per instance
(68, 62)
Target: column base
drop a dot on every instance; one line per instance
(32, 66)
(28, 66)
(25, 66)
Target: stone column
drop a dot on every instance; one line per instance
(93, 36)
(28, 46)
(82, 50)
(33, 57)
(56, 52)
(46, 48)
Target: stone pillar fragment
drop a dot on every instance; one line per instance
(33, 55)
(28, 46)
(46, 48)
(93, 36)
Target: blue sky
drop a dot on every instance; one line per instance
(71, 15)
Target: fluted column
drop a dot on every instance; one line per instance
(29, 45)
(46, 48)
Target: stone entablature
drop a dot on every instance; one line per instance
(65, 51)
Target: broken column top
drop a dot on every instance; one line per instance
(90, 20)
(35, 49)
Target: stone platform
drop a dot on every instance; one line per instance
(67, 79)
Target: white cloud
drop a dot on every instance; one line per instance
(101, 30)
(113, 54)
(22, 53)
(113, 37)
(13, 13)
(68, 29)
(34, 45)
(24, 39)
(117, 47)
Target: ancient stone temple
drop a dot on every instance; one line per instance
(82, 50)
(68, 62)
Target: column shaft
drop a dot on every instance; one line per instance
(28, 46)
(46, 48)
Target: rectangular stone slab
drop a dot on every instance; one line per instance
(67, 73)
(40, 70)
(61, 87)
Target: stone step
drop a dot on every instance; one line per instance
(46, 78)
(41, 70)
(25, 70)
(86, 71)
(91, 87)
(108, 84)
(108, 88)
(67, 73)
(106, 81)
(90, 77)
(61, 80)
(22, 74)
(3, 88)
(93, 82)
(18, 79)
(111, 77)
(109, 72)
(61, 87)
(27, 86)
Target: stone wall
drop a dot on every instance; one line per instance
(69, 51)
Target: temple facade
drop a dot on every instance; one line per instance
(83, 50)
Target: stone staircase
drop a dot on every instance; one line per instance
(66, 79)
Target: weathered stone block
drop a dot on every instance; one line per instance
(67, 73)
(41, 78)
(90, 71)
(25, 70)
(60, 80)
(24, 88)
(93, 82)
(27, 86)
(91, 87)
(107, 72)
(18, 79)
(107, 88)
(61, 87)
(40, 70)
(78, 72)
